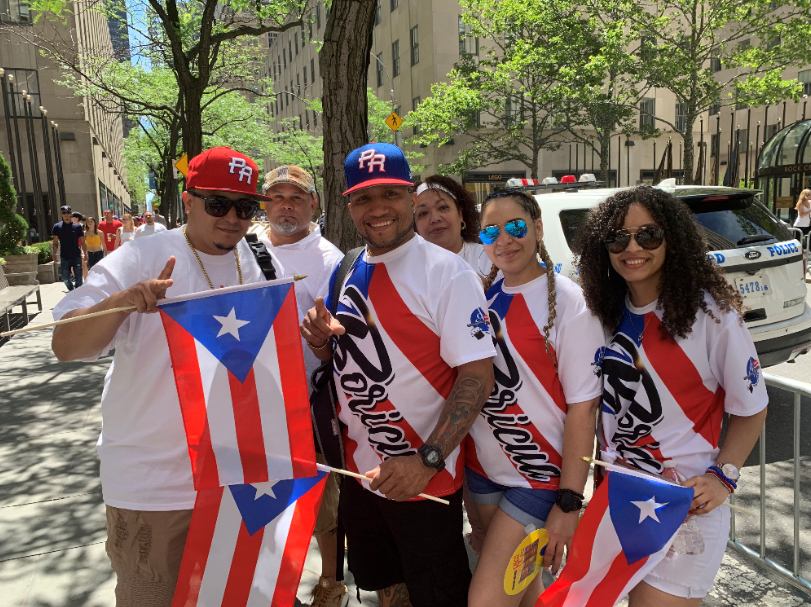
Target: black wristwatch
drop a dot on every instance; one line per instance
(432, 457)
(569, 500)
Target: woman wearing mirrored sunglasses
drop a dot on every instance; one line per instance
(679, 358)
(524, 463)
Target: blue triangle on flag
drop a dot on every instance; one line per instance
(217, 320)
(273, 498)
(645, 513)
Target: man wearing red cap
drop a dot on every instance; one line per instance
(412, 359)
(146, 477)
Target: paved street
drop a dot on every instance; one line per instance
(52, 517)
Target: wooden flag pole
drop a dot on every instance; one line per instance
(65, 321)
(325, 468)
(609, 466)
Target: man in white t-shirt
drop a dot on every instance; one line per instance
(297, 242)
(146, 475)
(149, 227)
(413, 367)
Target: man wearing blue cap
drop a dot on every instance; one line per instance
(412, 373)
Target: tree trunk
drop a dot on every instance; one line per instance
(689, 151)
(344, 65)
(604, 137)
(193, 127)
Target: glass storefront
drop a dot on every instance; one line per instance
(784, 169)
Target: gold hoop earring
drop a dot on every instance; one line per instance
(463, 225)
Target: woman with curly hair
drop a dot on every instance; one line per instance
(679, 358)
(524, 467)
(446, 215)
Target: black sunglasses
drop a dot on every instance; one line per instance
(219, 206)
(647, 237)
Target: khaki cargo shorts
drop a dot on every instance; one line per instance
(327, 519)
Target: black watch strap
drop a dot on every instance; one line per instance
(569, 500)
(432, 457)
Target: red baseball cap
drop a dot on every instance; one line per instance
(224, 169)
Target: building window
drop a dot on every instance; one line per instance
(743, 140)
(298, 85)
(394, 4)
(311, 29)
(647, 45)
(805, 79)
(272, 38)
(379, 66)
(713, 144)
(512, 110)
(744, 44)
(315, 119)
(395, 58)
(312, 70)
(290, 50)
(318, 16)
(415, 45)
(295, 40)
(302, 38)
(284, 59)
(774, 42)
(715, 62)
(415, 103)
(28, 81)
(307, 116)
(771, 131)
(468, 45)
(715, 108)
(305, 76)
(15, 11)
(647, 111)
(681, 117)
(378, 13)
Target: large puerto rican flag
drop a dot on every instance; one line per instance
(247, 544)
(625, 532)
(239, 371)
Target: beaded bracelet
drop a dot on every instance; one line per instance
(728, 482)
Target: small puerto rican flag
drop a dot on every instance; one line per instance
(239, 371)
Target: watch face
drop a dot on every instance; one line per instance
(568, 502)
(731, 472)
(432, 457)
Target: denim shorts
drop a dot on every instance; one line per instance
(527, 506)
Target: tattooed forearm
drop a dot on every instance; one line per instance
(394, 596)
(473, 384)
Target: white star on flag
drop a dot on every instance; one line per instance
(230, 324)
(268, 490)
(648, 509)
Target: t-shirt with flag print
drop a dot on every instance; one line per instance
(665, 399)
(517, 440)
(412, 316)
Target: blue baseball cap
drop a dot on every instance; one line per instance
(376, 164)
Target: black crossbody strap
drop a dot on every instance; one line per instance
(343, 270)
(263, 257)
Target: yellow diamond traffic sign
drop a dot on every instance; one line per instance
(394, 122)
(182, 165)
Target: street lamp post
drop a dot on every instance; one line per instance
(717, 164)
(805, 101)
(46, 144)
(23, 193)
(391, 87)
(628, 145)
(33, 156)
(60, 177)
(12, 156)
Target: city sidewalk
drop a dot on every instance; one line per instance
(51, 512)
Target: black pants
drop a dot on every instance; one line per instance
(418, 543)
(93, 257)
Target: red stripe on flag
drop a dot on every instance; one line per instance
(579, 560)
(418, 343)
(198, 547)
(295, 548)
(619, 574)
(528, 341)
(186, 368)
(294, 387)
(243, 566)
(248, 422)
(704, 408)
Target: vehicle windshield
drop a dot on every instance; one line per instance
(727, 222)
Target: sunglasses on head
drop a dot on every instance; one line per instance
(517, 228)
(647, 237)
(220, 206)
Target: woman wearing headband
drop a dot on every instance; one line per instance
(679, 360)
(524, 466)
(446, 215)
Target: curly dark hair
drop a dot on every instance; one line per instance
(465, 203)
(686, 273)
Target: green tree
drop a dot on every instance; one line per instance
(717, 53)
(13, 226)
(508, 102)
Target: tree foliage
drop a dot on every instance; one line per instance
(13, 225)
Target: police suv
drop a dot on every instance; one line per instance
(757, 253)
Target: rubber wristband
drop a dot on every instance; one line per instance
(724, 481)
(716, 470)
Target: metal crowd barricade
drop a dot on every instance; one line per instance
(799, 389)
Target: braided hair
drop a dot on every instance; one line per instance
(526, 202)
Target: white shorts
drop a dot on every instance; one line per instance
(688, 576)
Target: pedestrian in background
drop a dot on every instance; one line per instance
(149, 227)
(94, 242)
(297, 242)
(158, 217)
(109, 226)
(67, 243)
(126, 232)
(803, 208)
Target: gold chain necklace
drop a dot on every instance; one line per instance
(203, 268)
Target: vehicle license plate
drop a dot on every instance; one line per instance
(752, 286)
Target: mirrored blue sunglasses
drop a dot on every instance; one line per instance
(517, 228)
